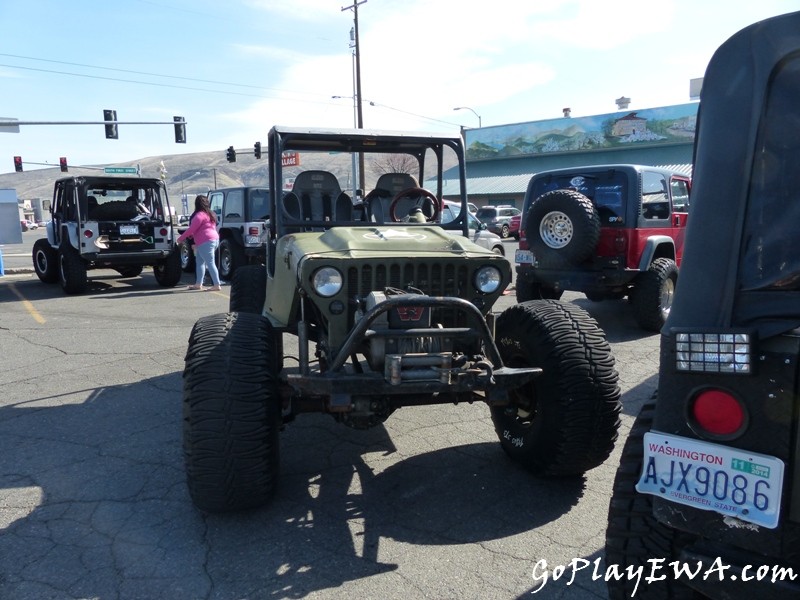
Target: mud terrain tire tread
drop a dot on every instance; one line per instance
(231, 413)
(71, 270)
(45, 261)
(574, 403)
(633, 535)
(231, 258)
(646, 294)
(248, 289)
(187, 257)
(585, 224)
(168, 272)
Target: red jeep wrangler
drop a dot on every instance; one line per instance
(608, 231)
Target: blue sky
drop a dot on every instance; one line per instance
(233, 69)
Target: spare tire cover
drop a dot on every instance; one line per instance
(562, 228)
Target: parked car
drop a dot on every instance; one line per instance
(31, 225)
(480, 234)
(514, 226)
(497, 218)
(709, 478)
(608, 231)
(41, 223)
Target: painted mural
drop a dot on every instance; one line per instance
(651, 126)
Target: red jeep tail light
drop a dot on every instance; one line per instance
(253, 231)
(620, 244)
(87, 233)
(163, 231)
(718, 413)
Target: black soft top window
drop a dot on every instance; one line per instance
(606, 189)
(258, 202)
(770, 258)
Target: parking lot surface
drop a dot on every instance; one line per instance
(93, 501)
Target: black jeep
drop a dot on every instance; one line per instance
(709, 479)
(608, 231)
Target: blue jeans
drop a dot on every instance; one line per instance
(204, 258)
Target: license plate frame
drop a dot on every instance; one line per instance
(523, 257)
(738, 483)
(129, 230)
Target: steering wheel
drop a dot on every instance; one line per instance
(423, 196)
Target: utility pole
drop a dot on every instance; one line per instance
(359, 114)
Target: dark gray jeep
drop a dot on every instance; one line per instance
(709, 481)
(366, 308)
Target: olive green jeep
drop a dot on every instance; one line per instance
(366, 307)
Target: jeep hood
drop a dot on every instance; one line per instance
(361, 242)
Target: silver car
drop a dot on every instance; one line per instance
(480, 234)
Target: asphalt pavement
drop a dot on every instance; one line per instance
(93, 500)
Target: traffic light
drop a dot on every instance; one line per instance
(63, 162)
(257, 150)
(180, 130)
(18, 164)
(111, 128)
(230, 154)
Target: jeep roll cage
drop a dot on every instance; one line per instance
(417, 145)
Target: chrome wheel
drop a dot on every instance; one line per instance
(556, 229)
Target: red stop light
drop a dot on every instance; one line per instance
(18, 164)
(63, 162)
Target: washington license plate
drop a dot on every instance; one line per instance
(128, 229)
(713, 477)
(523, 257)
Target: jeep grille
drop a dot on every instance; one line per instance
(431, 278)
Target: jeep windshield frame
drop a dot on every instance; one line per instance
(423, 148)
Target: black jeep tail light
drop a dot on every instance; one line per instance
(714, 352)
(717, 413)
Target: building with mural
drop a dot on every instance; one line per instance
(502, 159)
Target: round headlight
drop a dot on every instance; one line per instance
(487, 279)
(327, 282)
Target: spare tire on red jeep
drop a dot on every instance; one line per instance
(562, 227)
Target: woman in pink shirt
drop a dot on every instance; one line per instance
(203, 228)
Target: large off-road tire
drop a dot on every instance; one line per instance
(634, 537)
(168, 272)
(653, 293)
(231, 257)
(231, 413)
(130, 271)
(45, 261)
(563, 228)
(248, 289)
(565, 421)
(187, 257)
(71, 270)
(536, 291)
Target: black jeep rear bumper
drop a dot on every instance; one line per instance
(578, 279)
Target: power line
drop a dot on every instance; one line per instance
(74, 64)
(155, 84)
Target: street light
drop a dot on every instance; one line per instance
(472, 111)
